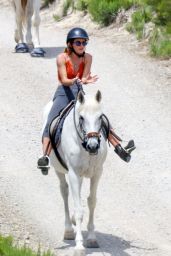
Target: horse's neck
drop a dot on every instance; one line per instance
(70, 124)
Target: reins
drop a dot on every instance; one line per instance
(84, 137)
(76, 124)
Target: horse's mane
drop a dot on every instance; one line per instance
(23, 4)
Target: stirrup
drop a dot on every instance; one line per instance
(43, 163)
(130, 146)
(122, 153)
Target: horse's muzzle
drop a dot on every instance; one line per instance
(92, 145)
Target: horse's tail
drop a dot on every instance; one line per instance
(23, 4)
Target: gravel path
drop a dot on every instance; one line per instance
(134, 207)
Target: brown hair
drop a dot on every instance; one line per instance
(68, 48)
(23, 4)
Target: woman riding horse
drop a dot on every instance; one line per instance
(74, 67)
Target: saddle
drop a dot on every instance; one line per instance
(55, 130)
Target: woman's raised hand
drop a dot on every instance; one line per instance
(89, 79)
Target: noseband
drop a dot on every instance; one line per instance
(86, 136)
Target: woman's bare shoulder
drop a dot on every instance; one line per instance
(88, 57)
(61, 57)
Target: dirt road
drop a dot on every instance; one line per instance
(134, 207)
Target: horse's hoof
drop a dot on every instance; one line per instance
(91, 243)
(21, 48)
(69, 235)
(37, 52)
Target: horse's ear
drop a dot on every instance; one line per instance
(98, 96)
(80, 97)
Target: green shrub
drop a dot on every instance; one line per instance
(103, 11)
(168, 28)
(126, 4)
(139, 18)
(162, 9)
(137, 24)
(138, 21)
(47, 2)
(56, 17)
(82, 5)
(8, 249)
(160, 43)
(66, 6)
(161, 50)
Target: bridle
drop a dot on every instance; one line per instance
(84, 137)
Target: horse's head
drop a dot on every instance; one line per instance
(89, 121)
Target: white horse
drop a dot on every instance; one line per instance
(24, 11)
(83, 149)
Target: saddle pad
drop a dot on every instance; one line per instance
(55, 130)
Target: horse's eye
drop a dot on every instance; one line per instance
(81, 119)
(101, 118)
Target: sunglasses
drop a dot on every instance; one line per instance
(79, 43)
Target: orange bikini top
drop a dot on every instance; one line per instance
(71, 73)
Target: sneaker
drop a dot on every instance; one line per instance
(122, 153)
(43, 163)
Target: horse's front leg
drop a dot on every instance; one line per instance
(37, 51)
(75, 183)
(36, 22)
(21, 47)
(91, 239)
(18, 31)
(29, 14)
(69, 231)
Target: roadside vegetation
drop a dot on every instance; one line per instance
(7, 248)
(150, 21)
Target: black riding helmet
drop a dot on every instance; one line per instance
(76, 33)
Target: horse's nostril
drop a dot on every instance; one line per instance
(93, 148)
(97, 146)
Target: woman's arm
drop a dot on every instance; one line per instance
(60, 62)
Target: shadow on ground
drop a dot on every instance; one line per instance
(109, 245)
(52, 52)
